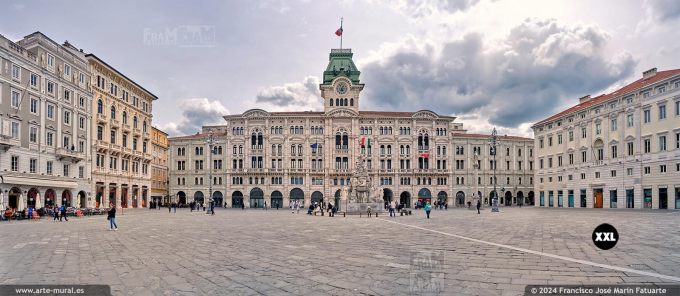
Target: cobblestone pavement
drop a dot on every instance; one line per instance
(254, 252)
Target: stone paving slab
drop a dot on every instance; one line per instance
(256, 252)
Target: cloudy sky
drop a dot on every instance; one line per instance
(492, 63)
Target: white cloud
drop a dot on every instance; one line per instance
(426, 8)
(196, 112)
(304, 95)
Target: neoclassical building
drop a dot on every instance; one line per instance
(159, 166)
(616, 150)
(121, 129)
(45, 124)
(279, 157)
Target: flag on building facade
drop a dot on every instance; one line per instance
(426, 155)
(338, 32)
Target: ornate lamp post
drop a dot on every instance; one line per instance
(493, 141)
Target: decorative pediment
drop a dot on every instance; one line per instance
(255, 113)
(342, 112)
(34, 122)
(613, 142)
(425, 114)
(630, 138)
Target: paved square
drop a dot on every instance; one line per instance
(254, 252)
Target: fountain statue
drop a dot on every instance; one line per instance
(362, 193)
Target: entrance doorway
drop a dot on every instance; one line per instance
(387, 195)
(256, 198)
(32, 197)
(182, 198)
(424, 196)
(217, 199)
(14, 196)
(508, 198)
(663, 198)
(49, 197)
(599, 200)
(66, 198)
(237, 199)
(277, 199)
(441, 197)
(630, 198)
(405, 199)
(82, 197)
(460, 198)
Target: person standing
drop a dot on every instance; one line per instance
(479, 205)
(428, 208)
(392, 206)
(265, 205)
(170, 207)
(112, 217)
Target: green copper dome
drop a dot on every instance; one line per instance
(340, 64)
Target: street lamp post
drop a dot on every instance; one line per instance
(210, 142)
(493, 141)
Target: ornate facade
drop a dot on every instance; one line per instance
(278, 157)
(617, 150)
(121, 128)
(45, 124)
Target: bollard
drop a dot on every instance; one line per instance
(344, 215)
(401, 213)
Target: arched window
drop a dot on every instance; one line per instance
(134, 121)
(331, 102)
(124, 117)
(337, 102)
(144, 126)
(351, 102)
(345, 102)
(100, 107)
(113, 112)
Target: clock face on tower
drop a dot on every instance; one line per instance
(341, 88)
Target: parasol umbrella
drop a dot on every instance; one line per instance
(37, 201)
(20, 206)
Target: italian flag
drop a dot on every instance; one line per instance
(425, 155)
(363, 142)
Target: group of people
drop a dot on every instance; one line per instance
(330, 208)
(439, 204)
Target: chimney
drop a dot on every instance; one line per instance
(584, 99)
(649, 73)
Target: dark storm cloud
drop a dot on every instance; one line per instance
(525, 77)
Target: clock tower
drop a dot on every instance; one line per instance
(341, 87)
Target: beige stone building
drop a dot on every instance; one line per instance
(278, 157)
(617, 150)
(121, 129)
(159, 166)
(44, 124)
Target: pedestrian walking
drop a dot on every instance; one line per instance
(63, 213)
(243, 206)
(392, 208)
(265, 205)
(427, 208)
(170, 208)
(112, 217)
(479, 205)
(55, 212)
(277, 205)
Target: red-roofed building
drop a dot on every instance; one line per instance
(615, 150)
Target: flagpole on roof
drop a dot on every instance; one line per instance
(341, 32)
